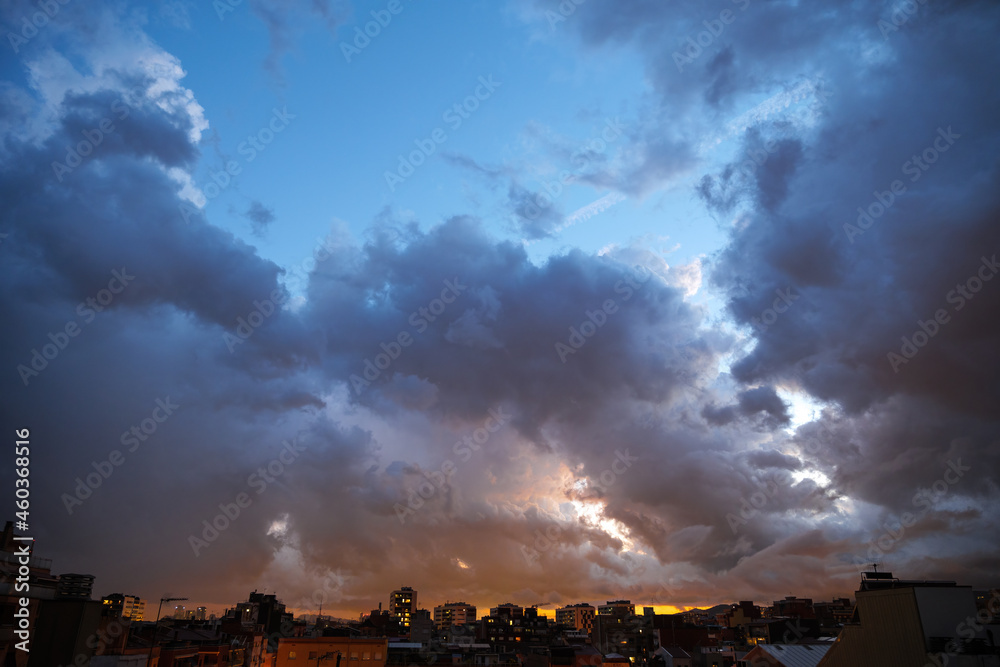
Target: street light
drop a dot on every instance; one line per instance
(156, 627)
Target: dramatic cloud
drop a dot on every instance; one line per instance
(440, 408)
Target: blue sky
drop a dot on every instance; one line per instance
(354, 119)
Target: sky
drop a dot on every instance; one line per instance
(513, 301)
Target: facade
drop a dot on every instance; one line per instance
(402, 606)
(421, 626)
(508, 610)
(265, 610)
(793, 607)
(133, 607)
(577, 616)
(75, 586)
(634, 637)
(617, 608)
(454, 613)
(331, 652)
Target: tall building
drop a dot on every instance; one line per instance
(617, 608)
(135, 607)
(507, 610)
(577, 616)
(266, 610)
(117, 605)
(454, 613)
(402, 606)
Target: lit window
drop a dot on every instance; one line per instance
(366, 656)
(291, 655)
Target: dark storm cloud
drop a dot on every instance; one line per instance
(607, 376)
(865, 287)
(525, 311)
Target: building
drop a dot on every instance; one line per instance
(900, 623)
(512, 627)
(331, 652)
(617, 608)
(421, 626)
(134, 607)
(634, 637)
(265, 610)
(508, 610)
(454, 613)
(75, 586)
(671, 656)
(575, 656)
(793, 607)
(402, 606)
(59, 627)
(577, 616)
(833, 614)
(741, 614)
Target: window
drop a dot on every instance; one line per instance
(378, 655)
(291, 655)
(366, 656)
(313, 655)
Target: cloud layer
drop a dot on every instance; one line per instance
(445, 413)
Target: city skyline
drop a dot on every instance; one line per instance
(535, 301)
